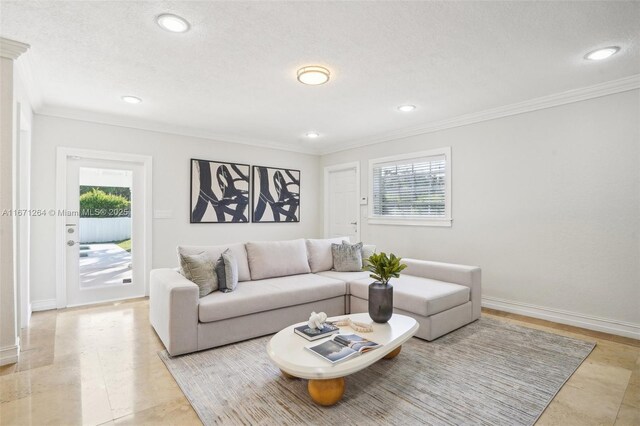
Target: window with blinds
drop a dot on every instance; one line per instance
(411, 187)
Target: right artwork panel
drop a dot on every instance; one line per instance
(276, 195)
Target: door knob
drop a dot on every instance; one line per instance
(71, 243)
(354, 223)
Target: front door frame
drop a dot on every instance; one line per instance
(337, 168)
(63, 153)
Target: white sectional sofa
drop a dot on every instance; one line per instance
(281, 283)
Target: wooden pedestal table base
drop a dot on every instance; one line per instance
(330, 391)
(326, 392)
(287, 375)
(394, 353)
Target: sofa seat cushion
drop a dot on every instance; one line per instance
(421, 296)
(346, 276)
(264, 295)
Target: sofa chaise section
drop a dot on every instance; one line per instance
(440, 296)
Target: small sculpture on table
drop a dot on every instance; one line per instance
(317, 320)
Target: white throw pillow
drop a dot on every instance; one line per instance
(269, 259)
(319, 253)
(367, 251)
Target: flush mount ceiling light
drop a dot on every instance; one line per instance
(313, 135)
(173, 23)
(406, 108)
(600, 54)
(313, 75)
(131, 99)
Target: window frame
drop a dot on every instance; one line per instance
(374, 219)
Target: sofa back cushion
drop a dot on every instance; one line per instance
(269, 259)
(319, 253)
(214, 253)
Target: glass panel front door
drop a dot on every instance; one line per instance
(104, 227)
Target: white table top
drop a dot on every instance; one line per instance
(287, 349)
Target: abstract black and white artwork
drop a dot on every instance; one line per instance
(276, 195)
(219, 192)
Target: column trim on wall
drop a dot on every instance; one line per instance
(575, 319)
(12, 49)
(9, 354)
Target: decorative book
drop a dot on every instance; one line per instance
(343, 347)
(316, 333)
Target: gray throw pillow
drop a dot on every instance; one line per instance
(367, 251)
(227, 270)
(347, 257)
(199, 269)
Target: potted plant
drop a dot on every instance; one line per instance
(382, 268)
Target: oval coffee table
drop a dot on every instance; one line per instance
(326, 381)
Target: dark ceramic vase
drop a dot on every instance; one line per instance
(380, 302)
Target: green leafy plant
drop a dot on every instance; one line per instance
(97, 203)
(383, 267)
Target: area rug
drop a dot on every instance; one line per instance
(487, 373)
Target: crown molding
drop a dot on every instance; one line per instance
(575, 95)
(134, 123)
(24, 69)
(12, 49)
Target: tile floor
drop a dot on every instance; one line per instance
(98, 365)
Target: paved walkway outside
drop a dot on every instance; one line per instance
(104, 264)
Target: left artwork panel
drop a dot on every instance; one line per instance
(219, 192)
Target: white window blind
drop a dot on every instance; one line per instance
(410, 188)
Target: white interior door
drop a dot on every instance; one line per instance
(343, 202)
(104, 255)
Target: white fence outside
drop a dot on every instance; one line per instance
(102, 230)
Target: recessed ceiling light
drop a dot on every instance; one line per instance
(131, 99)
(406, 108)
(313, 135)
(173, 23)
(600, 54)
(313, 75)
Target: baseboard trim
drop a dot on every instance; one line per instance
(575, 319)
(9, 354)
(43, 305)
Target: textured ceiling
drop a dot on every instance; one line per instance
(233, 75)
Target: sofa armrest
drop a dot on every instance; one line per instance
(173, 310)
(470, 276)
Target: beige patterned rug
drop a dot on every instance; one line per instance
(487, 373)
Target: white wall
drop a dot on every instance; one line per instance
(171, 155)
(547, 203)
